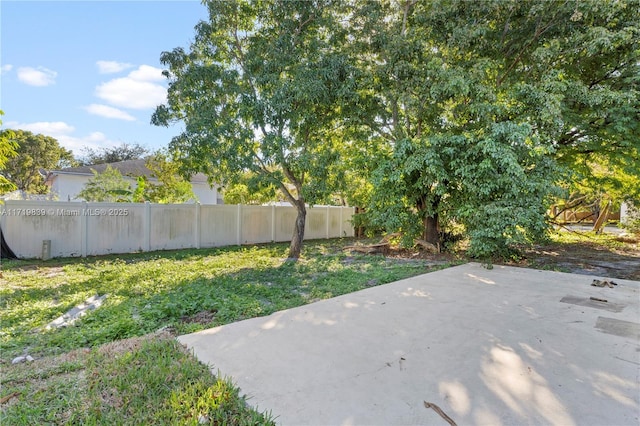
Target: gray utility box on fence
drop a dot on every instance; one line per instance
(46, 249)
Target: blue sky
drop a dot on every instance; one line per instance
(88, 72)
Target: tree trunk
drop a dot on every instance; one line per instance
(431, 233)
(298, 230)
(430, 228)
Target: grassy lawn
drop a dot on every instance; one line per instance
(114, 366)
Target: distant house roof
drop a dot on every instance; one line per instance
(132, 168)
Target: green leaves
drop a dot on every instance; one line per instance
(7, 151)
(108, 186)
(271, 114)
(448, 112)
(33, 153)
(167, 187)
(483, 104)
(122, 152)
(170, 186)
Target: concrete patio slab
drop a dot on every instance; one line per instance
(506, 346)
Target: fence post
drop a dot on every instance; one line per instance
(326, 222)
(197, 226)
(341, 222)
(273, 223)
(239, 223)
(84, 230)
(147, 226)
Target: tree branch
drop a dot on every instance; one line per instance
(407, 5)
(242, 62)
(538, 32)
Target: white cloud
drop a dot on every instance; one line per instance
(6, 68)
(48, 128)
(110, 67)
(63, 132)
(138, 90)
(109, 112)
(147, 73)
(37, 77)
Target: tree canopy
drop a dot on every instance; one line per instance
(7, 151)
(109, 186)
(438, 115)
(486, 106)
(250, 189)
(171, 187)
(122, 152)
(260, 91)
(35, 156)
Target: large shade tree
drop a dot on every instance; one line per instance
(35, 155)
(481, 102)
(259, 91)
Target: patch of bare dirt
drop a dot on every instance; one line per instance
(204, 318)
(41, 367)
(111, 398)
(406, 254)
(588, 259)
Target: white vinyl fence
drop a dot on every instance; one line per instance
(87, 229)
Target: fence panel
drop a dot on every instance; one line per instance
(218, 225)
(172, 226)
(256, 224)
(316, 223)
(284, 222)
(26, 224)
(335, 222)
(81, 229)
(114, 228)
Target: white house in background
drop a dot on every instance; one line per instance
(628, 213)
(65, 184)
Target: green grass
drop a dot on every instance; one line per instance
(150, 380)
(603, 240)
(154, 381)
(187, 290)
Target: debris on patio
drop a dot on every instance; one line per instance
(603, 283)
